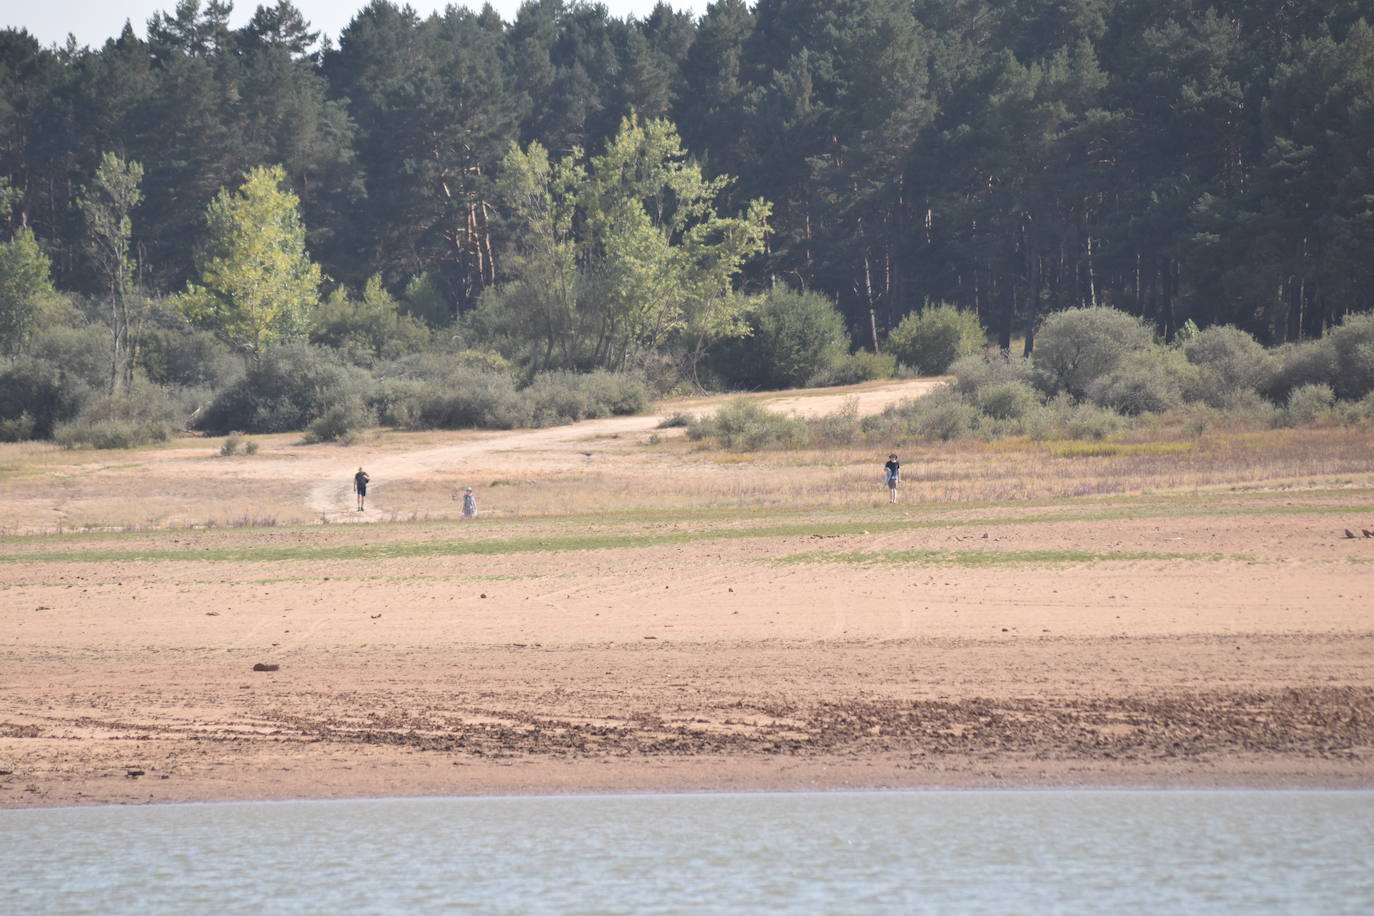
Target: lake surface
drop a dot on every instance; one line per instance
(870, 852)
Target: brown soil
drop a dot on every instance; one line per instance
(1213, 638)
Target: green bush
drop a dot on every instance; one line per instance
(744, 426)
(17, 429)
(1308, 403)
(618, 394)
(367, 328)
(973, 373)
(1229, 361)
(1361, 411)
(841, 427)
(110, 434)
(36, 395)
(1076, 347)
(291, 387)
(1072, 420)
(142, 414)
(859, 366)
(931, 340)
(1353, 344)
(184, 357)
(341, 423)
(473, 399)
(943, 414)
(793, 337)
(1146, 381)
(84, 353)
(1007, 400)
(947, 420)
(1310, 362)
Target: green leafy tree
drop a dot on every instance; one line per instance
(666, 259)
(615, 258)
(107, 204)
(25, 287)
(257, 282)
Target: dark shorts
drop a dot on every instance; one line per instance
(362, 489)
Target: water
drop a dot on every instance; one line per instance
(878, 852)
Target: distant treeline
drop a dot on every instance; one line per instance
(1177, 160)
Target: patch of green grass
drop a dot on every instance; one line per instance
(618, 531)
(988, 558)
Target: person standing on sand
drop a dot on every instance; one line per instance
(360, 480)
(469, 503)
(892, 476)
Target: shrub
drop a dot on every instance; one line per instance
(793, 337)
(973, 373)
(368, 328)
(1309, 403)
(110, 434)
(1146, 381)
(232, 443)
(184, 357)
(1074, 348)
(472, 399)
(947, 420)
(36, 395)
(1361, 411)
(859, 366)
(83, 353)
(17, 429)
(618, 394)
(931, 340)
(341, 423)
(841, 427)
(943, 414)
(1229, 361)
(142, 414)
(1353, 344)
(1007, 400)
(1311, 362)
(556, 397)
(1088, 421)
(290, 387)
(744, 426)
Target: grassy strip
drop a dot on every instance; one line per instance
(1103, 507)
(987, 558)
(392, 550)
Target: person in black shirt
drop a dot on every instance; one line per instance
(892, 474)
(360, 480)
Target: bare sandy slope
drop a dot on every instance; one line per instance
(1222, 639)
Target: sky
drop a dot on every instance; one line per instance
(92, 21)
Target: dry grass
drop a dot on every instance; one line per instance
(48, 489)
(676, 475)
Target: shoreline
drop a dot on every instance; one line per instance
(543, 779)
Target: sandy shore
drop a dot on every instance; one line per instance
(1222, 640)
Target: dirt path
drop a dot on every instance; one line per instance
(560, 448)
